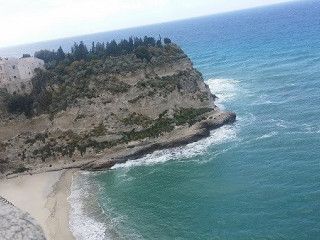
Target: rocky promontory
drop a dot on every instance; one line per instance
(95, 111)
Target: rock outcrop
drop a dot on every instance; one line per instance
(17, 224)
(105, 111)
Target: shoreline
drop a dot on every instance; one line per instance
(57, 223)
(44, 197)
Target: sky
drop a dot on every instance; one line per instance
(27, 21)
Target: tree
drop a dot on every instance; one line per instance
(167, 40)
(44, 100)
(159, 41)
(40, 80)
(137, 42)
(131, 47)
(124, 46)
(112, 48)
(142, 53)
(149, 41)
(80, 51)
(20, 104)
(93, 48)
(45, 55)
(100, 49)
(26, 55)
(60, 54)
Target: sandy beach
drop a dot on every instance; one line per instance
(44, 196)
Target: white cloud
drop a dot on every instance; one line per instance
(38, 20)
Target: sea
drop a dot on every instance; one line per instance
(258, 178)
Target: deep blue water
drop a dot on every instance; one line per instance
(256, 179)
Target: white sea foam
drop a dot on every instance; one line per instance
(82, 226)
(218, 136)
(280, 123)
(268, 135)
(225, 89)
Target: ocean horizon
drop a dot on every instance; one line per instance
(255, 179)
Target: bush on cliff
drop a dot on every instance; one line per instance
(20, 104)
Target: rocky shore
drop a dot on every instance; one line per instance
(176, 138)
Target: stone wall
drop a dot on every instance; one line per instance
(16, 74)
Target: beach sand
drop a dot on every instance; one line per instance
(44, 196)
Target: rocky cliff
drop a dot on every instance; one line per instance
(17, 224)
(92, 114)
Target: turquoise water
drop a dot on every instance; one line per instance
(256, 179)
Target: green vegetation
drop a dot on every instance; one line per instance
(159, 126)
(166, 84)
(38, 137)
(3, 146)
(79, 80)
(202, 96)
(84, 72)
(162, 124)
(138, 119)
(20, 170)
(80, 51)
(166, 41)
(190, 115)
(142, 53)
(98, 131)
(71, 142)
(20, 104)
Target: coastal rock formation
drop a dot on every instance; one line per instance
(17, 224)
(92, 114)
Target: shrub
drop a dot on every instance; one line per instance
(137, 118)
(3, 146)
(20, 170)
(142, 53)
(20, 104)
(189, 115)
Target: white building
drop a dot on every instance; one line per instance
(16, 74)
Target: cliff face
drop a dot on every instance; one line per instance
(118, 108)
(16, 224)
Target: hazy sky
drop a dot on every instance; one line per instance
(25, 21)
